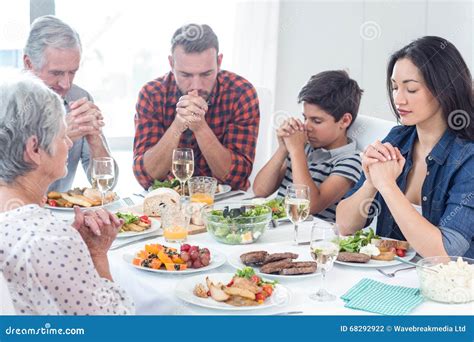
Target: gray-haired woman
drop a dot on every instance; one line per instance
(50, 267)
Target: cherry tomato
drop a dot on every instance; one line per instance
(145, 219)
(52, 203)
(401, 253)
(260, 297)
(268, 289)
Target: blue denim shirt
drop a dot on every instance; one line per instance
(447, 193)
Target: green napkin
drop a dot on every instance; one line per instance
(373, 296)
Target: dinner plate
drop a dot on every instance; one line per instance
(217, 260)
(117, 200)
(303, 255)
(280, 297)
(379, 263)
(155, 226)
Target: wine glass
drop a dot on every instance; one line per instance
(324, 248)
(103, 175)
(297, 205)
(183, 165)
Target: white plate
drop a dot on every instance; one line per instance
(93, 207)
(155, 225)
(303, 255)
(217, 259)
(281, 296)
(379, 263)
(224, 189)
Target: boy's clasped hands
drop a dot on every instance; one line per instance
(292, 135)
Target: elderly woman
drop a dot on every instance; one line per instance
(50, 266)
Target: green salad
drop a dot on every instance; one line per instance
(238, 225)
(358, 240)
(278, 207)
(165, 184)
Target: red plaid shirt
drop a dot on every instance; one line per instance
(233, 116)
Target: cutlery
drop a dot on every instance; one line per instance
(413, 264)
(139, 195)
(132, 241)
(128, 201)
(392, 274)
(223, 197)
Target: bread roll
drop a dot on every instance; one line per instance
(157, 199)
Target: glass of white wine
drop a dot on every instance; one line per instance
(103, 175)
(324, 249)
(183, 165)
(297, 205)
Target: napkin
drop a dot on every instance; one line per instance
(374, 296)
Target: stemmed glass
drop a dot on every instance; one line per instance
(103, 175)
(324, 248)
(297, 205)
(183, 165)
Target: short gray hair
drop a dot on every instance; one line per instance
(27, 108)
(195, 38)
(49, 31)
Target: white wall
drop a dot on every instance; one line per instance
(360, 36)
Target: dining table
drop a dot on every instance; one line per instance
(155, 293)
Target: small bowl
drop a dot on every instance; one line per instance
(235, 230)
(453, 281)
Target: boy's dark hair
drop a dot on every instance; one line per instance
(195, 38)
(334, 91)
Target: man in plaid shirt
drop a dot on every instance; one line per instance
(199, 106)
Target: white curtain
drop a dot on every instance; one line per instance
(255, 58)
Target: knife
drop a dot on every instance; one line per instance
(132, 241)
(235, 194)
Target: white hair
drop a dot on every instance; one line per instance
(49, 31)
(28, 108)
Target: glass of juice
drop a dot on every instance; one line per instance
(175, 222)
(202, 190)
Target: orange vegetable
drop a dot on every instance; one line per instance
(156, 264)
(143, 254)
(164, 258)
(175, 267)
(137, 261)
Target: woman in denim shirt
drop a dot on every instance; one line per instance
(420, 179)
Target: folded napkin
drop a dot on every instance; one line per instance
(373, 296)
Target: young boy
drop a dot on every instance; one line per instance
(318, 152)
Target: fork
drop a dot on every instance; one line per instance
(392, 274)
(128, 201)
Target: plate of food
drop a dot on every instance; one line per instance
(82, 197)
(241, 291)
(135, 225)
(367, 250)
(277, 262)
(175, 185)
(186, 259)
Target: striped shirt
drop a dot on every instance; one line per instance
(342, 161)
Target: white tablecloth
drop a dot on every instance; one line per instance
(154, 293)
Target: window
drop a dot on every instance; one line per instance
(14, 27)
(127, 43)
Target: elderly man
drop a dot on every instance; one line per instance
(53, 53)
(197, 105)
